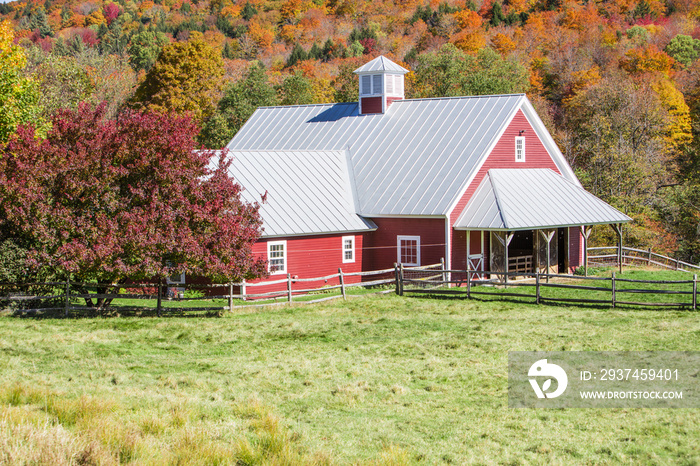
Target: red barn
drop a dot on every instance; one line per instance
(364, 185)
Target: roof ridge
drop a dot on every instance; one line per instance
(456, 97)
(498, 203)
(317, 151)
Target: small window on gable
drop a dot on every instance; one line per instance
(366, 85)
(377, 84)
(348, 249)
(408, 250)
(519, 149)
(277, 257)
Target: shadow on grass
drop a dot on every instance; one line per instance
(551, 302)
(111, 313)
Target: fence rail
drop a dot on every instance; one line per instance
(537, 282)
(66, 296)
(433, 279)
(633, 256)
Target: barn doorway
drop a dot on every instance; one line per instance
(563, 250)
(520, 252)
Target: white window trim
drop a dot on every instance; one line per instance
(372, 92)
(284, 256)
(519, 138)
(181, 281)
(396, 80)
(363, 88)
(398, 249)
(348, 238)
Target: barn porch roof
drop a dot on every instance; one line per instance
(527, 199)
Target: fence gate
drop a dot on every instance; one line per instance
(475, 253)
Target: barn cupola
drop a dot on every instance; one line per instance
(381, 83)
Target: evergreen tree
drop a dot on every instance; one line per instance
(315, 53)
(248, 11)
(298, 54)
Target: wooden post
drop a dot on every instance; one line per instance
(505, 266)
(160, 297)
(342, 283)
(537, 287)
(243, 290)
(67, 302)
(469, 283)
(289, 287)
(508, 239)
(586, 232)
(618, 229)
(396, 279)
(676, 264)
(442, 266)
(613, 289)
(230, 297)
(695, 291)
(468, 268)
(649, 257)
(400, 279)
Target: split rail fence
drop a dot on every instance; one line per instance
(68, 297)
(614, 290)
(72, 297)
(608, 255)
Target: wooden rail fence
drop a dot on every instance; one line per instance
(65, 297)
(607, 255)
(616, 287)
(433, 279)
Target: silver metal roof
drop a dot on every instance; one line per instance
(381, 63)
(308, 192)
(416, 159)
(525, 199)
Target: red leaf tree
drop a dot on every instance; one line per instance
(125, 199)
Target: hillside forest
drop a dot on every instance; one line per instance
(615, 81)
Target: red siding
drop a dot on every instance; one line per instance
(390, 100)
(371, 104)
(502, 156)
(575, 248)
(380, 248)
(310, 257)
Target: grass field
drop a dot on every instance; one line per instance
(380, 379)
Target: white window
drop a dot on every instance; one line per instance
(348, 249)
(176, 279)
(366, 85)
(408, 250)
(390, 84)
(519, 149)
(398, 85)
(377, 84)
(277, 257)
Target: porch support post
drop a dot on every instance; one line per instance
(468, 247)
(618, 229)
(547, 237)
(509, 237)
(585, 232)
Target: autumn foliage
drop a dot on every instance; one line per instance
(130, 198)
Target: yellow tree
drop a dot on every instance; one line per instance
(19, 96)
(185, 79)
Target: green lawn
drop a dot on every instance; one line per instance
(383, 379)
